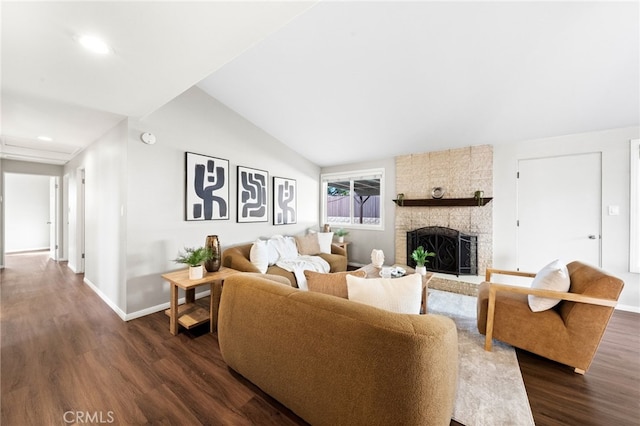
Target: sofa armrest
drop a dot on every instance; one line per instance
(571, 297)
(338, 250)
(234, 259)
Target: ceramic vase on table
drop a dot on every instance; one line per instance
(377, 258)
(213, 264)
(196, 272)
(422, 270)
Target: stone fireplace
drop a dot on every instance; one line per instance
(461, 172)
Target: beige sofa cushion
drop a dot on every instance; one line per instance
(334, 284)
(308, 244)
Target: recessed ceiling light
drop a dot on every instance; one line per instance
(94, 44)
(45, 138)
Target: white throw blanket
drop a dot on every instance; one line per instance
(302, 263)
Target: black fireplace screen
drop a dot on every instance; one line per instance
(456, 252)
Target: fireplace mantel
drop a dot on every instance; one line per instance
(443, 202)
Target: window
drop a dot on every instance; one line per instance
(353, 199)
(634, 249)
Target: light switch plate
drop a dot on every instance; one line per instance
(614, 210)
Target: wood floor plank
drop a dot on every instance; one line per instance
(608, 394)
(63, 349)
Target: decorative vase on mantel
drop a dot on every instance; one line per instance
(213, 244)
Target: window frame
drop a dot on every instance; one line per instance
(350, 176)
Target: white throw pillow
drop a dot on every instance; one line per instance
(402, 295)
(272, 249)
(290, 248)
(325, 239)
(259, 255)
(554, 276)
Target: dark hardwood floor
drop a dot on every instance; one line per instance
(66, 358)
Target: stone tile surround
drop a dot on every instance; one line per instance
(453, 286)
(461, 172)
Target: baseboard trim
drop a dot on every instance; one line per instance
(28, 250)
(141, 313)
(160, 307)
(628, 308)
(106, 300)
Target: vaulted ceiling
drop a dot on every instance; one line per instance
(336, 81)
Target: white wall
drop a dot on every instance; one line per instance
(156, 226)
(134, 218)
(105, 165)
(363, 241)
(614, 146)
(26, 212)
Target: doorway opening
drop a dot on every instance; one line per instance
(31, 215)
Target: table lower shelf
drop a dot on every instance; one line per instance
(191, 315)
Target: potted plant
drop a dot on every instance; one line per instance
(194, 257)
(340, 233)
(420, 256)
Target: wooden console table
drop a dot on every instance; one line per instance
(190, 314)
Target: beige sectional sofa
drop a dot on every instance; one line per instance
(337, 362)
(238, 258)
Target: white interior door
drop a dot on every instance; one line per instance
(559, 210)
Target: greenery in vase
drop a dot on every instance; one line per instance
(341, 233)
(420, 256)
(194, 256)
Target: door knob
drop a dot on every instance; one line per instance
(48, 223)
(592, 237)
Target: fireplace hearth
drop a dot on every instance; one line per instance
(456, 252)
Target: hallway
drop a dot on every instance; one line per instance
(66, 357)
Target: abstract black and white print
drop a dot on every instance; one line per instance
(284, 201)
(252, 195)
(207, 191)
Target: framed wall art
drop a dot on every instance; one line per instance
(207, 188)
(252, 195)
(284, 201)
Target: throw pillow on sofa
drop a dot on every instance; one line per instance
(334, 283)
(554, 276)
(272, 250)
(259, 255)
(402, 295)
(325, 239)
(308, 244)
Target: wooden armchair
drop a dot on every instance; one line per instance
(569, 333)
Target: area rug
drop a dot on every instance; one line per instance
(490, 386)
